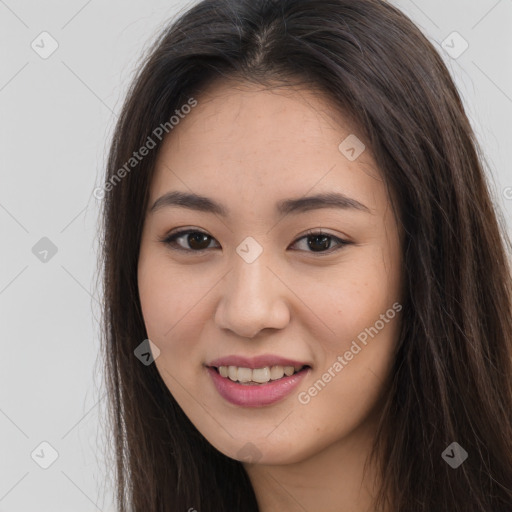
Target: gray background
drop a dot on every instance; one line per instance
(56, 119)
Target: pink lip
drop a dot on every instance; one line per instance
(257, 395)
(256, 362)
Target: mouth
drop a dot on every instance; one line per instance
(256, 382)
(258, 376)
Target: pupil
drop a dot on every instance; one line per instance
(194, 238)
(323, 245)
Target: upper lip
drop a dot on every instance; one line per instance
(256, 362)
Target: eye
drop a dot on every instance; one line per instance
(198, 241)
(318, 241)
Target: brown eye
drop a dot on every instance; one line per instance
(321, 242)
(195, 241)
(198, 241)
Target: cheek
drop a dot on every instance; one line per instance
(174, 309)
(352, 298)
(363, 310)
(350, 379)
(156, 297)
(167, 296)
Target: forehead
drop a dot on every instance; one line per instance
(267, 142)
(251, 114)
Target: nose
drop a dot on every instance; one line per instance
(253, 298)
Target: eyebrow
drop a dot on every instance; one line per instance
(197, 202)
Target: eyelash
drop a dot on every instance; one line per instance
(170, 240)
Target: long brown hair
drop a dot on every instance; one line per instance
(452, 376)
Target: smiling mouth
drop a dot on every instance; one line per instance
(258, 376)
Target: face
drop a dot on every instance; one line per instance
(261, 280)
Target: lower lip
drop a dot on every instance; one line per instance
(257, 395)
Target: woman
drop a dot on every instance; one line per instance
(369, 369)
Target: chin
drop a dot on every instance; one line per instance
(264, 451)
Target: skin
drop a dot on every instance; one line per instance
(248, 148)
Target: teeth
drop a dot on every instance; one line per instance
(256, 375)
(276, 372)
(244, 374)
(289, 370)
(259, 374)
